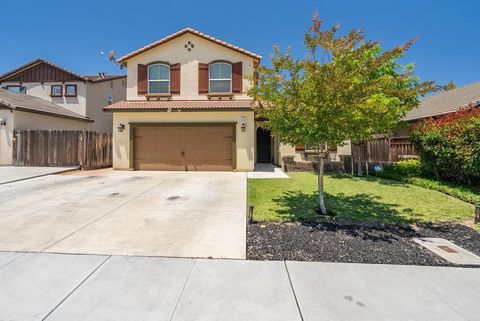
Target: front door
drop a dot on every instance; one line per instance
(264, 146)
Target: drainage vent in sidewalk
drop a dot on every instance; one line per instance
(447, 249)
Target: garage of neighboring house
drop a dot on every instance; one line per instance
(190, 147)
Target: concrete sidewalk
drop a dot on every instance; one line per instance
(44, 286)
(263, 171)
(10, 174)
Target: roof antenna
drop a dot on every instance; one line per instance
(111, 57)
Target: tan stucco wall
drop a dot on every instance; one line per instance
(172, 52)
(285, 150)
(75, 104)
(25, 120)
(29, 121)
(245, 152)
(344, 150)
(97, 99)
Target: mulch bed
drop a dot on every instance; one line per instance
(353, 243)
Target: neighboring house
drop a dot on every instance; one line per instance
(20, 111)
(430, 107)
(187, 108)
(441, 104)
(83, 95)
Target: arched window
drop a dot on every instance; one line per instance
(158, 79)
(220, 77)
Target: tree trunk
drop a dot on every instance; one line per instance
(359, 167)
(367, 163)
(359, 160)
(321, 200)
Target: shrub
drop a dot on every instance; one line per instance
(469, 194)
(449, 147)
(402, 170)
(410, 171)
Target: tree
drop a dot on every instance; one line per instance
(451, 85)
(347, 88)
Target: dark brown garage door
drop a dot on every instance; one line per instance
(184, 147)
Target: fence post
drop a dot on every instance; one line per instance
(17, 160)
(85, 149)
(353, 164)
(81, 143)
(389, 150)
(367, 163)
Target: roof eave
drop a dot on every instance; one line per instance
(173, 110)
(116, 77)
(157, 43)
(42, 112)
(36, 62)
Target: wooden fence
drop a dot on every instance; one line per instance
(383, 150)
(62, 148)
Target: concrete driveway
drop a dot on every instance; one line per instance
(180, 214)
(44, 286)
(9, 174)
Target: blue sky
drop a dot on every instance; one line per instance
(72, 33)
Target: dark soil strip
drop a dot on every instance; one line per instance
(351, 243)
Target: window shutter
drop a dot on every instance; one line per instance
(202, 78)
(299, 148)
(142, 82)
(237, 77)
(175, 79)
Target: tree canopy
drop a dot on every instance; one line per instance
(348, 88)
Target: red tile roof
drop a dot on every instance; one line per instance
(141, 105)
(195, 32)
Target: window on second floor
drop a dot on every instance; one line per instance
(16, 89)
(220, 77)
(70, 90)
(56, 91)
(159, 79)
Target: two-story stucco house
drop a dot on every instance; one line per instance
(83, 95)
(42, 95)
(187, 108)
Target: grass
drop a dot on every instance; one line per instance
(353, 199)
(410, 171)
(468, 194)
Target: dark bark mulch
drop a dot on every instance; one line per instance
(353, 243)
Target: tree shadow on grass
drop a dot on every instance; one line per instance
(299, 206)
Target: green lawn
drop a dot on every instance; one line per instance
(352, 199)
